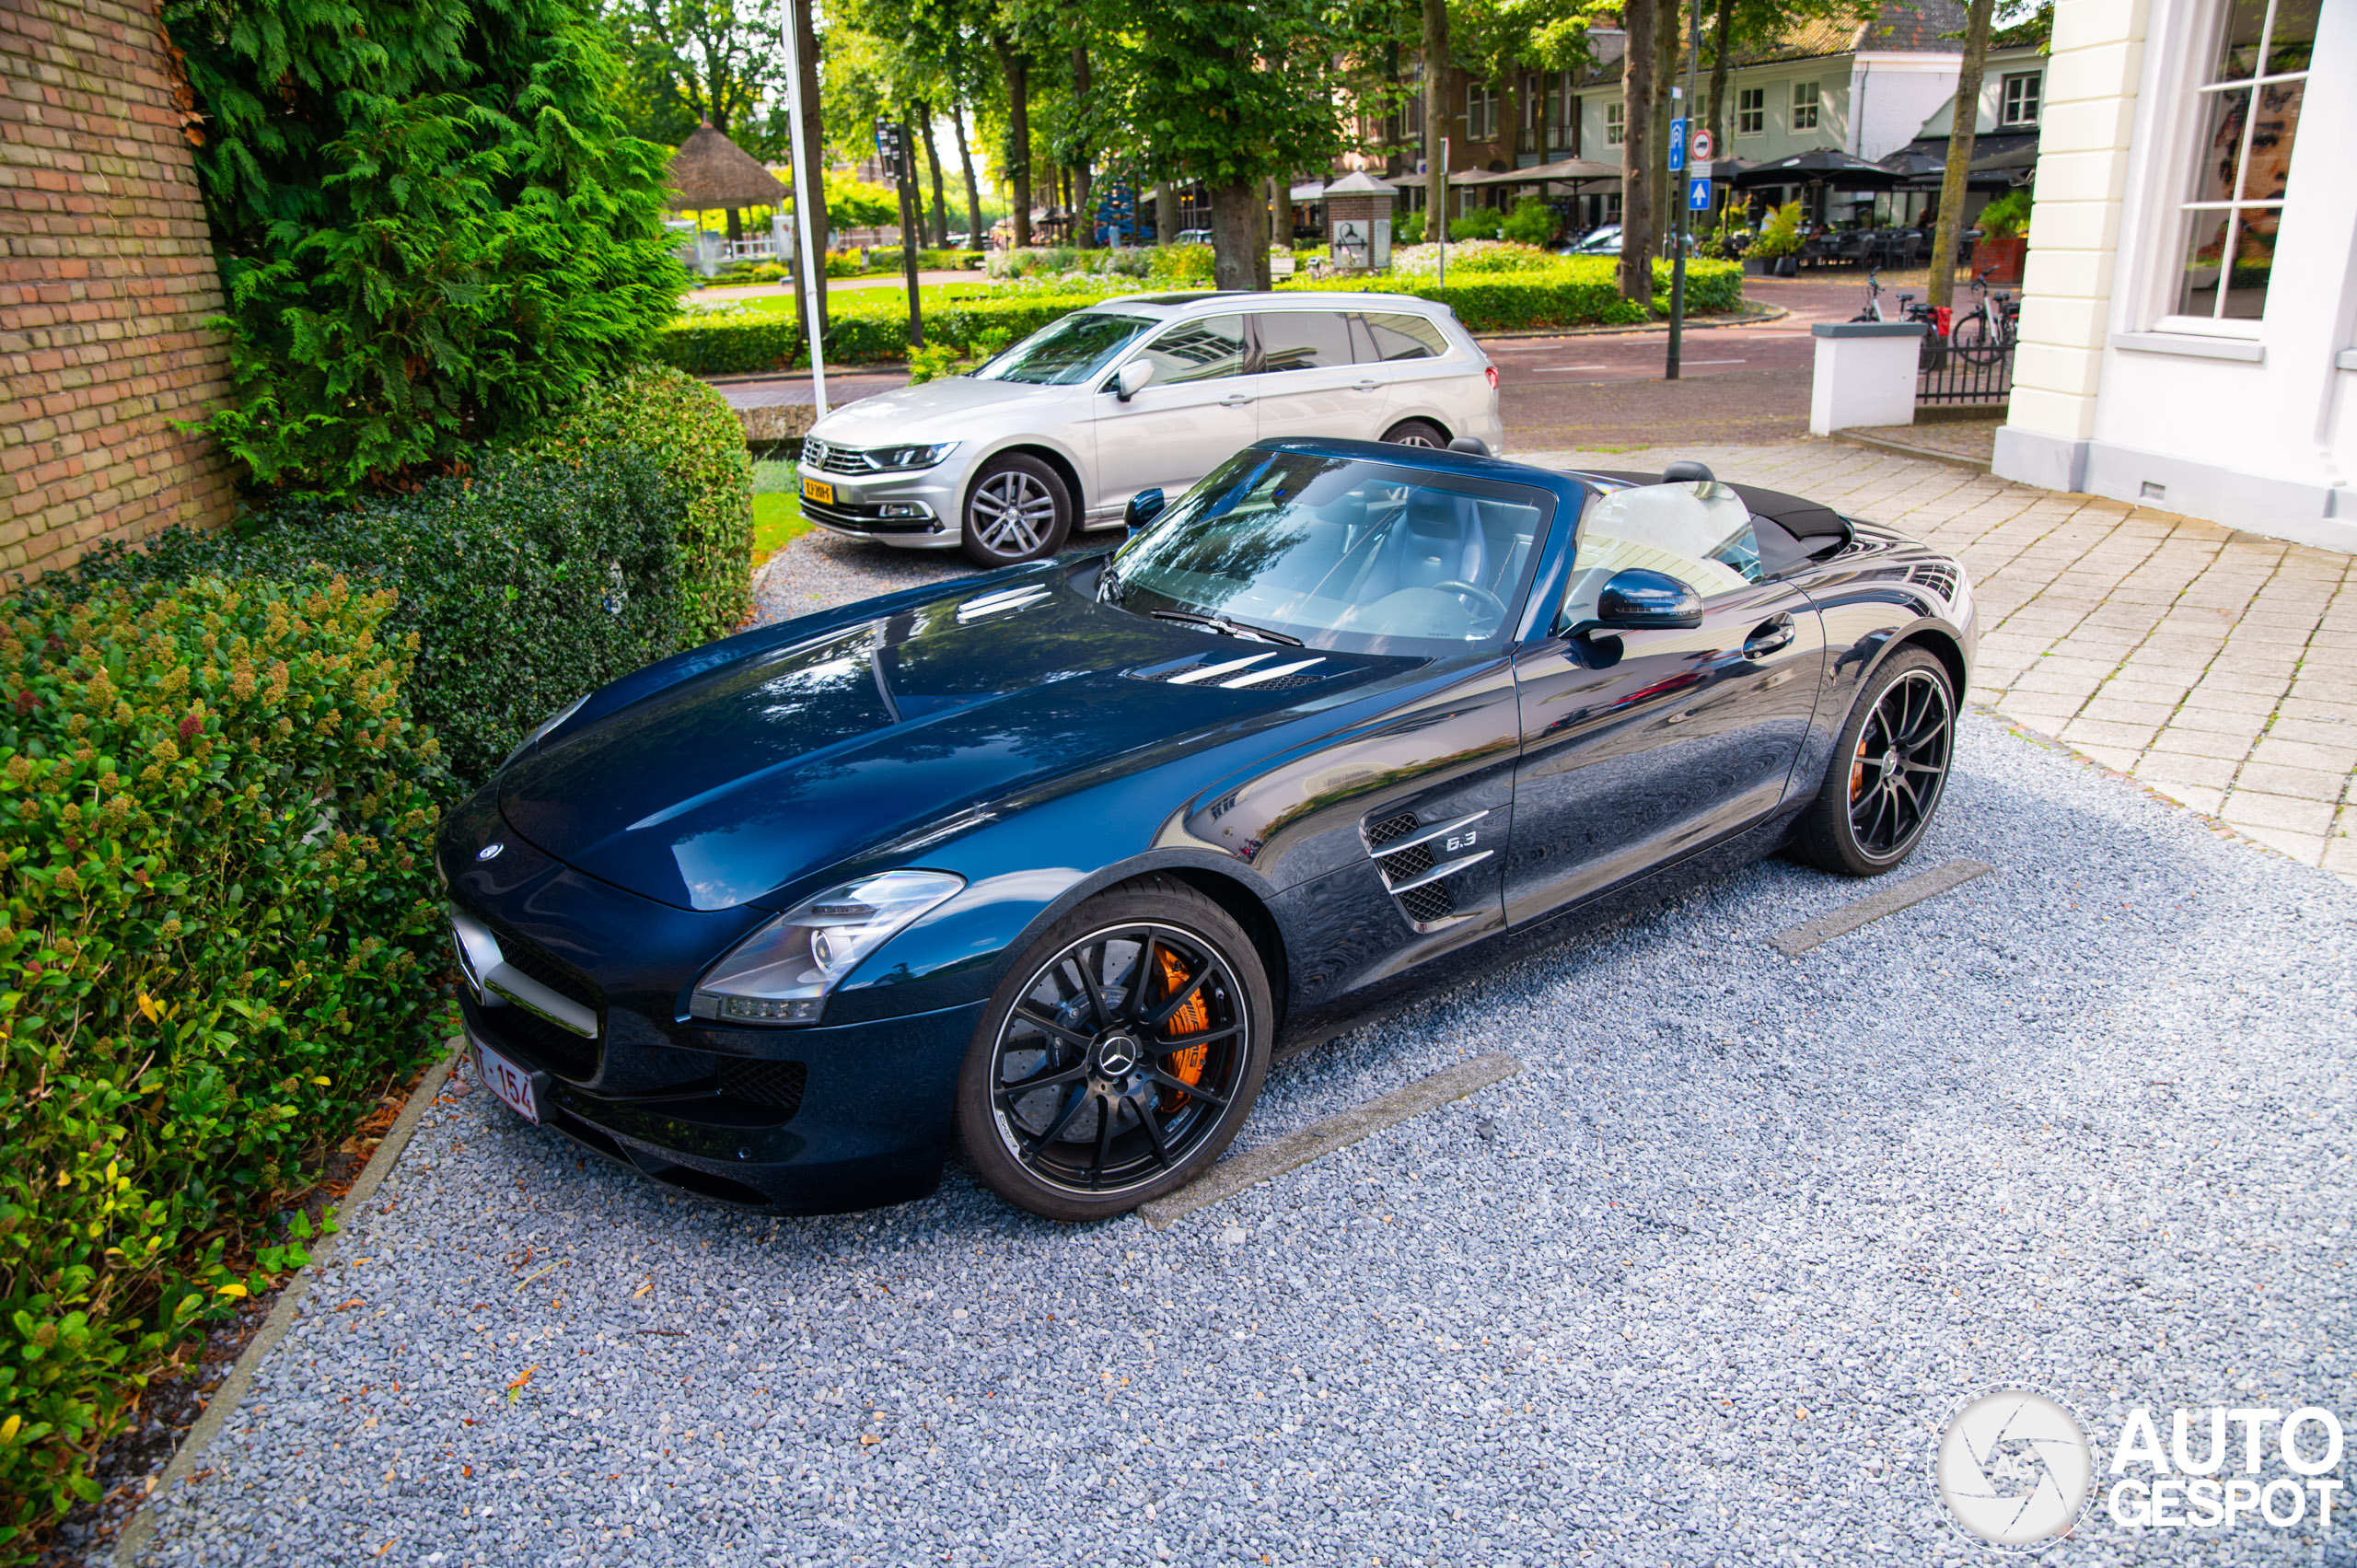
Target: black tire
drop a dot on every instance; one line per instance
(1417, 433)
(1017, 509)
(1889, 772)
(1104, 1113)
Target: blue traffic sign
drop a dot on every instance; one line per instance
(1698, 193)
(1677, 144)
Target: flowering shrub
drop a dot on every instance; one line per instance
(218, 944)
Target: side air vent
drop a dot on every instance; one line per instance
(1407, 855)
(1250, 673)
(1936, 576)
(1019, 597)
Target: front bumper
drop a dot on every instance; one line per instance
(860, 500)
(832, 1120)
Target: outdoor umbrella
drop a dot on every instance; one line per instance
(1819, 166)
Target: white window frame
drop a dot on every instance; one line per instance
(2012, 88)
(2167, 219)
(1480, 112)
(1615, 123)
(1751, 119)
(1808, 102)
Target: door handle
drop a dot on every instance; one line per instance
(1772, 635)
(1367, 386)
(1236, 400)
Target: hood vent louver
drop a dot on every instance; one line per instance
(1021, 597)
(1936, 576)
(1250, 673)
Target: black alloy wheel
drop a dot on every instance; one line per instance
(1416, 433)
(1888, 770)
(1120, 1056)
(1019, 509)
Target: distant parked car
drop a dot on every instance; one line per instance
(1149, 392)
(1192, 236)
(1600, 241)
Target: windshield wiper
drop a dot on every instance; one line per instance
(1223, 625)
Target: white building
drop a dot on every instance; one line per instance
(2192, 294)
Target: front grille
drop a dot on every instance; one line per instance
(829, 458)
(1428, 903)
(531, 959)
(1936, 576)
(540, 1043)
(1391, 828)
(778, 1083)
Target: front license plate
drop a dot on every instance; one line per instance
(508, 1081)
(818, 489)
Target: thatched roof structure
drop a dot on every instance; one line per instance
(710, 171)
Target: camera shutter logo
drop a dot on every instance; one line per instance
(2014, 1468)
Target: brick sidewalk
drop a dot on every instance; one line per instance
(2214, 665)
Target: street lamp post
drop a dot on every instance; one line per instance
(1679, 162)
(812, 269)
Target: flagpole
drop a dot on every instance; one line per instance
(812, 269)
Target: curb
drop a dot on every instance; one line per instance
(1902, 450)
(137, 1529)
(1714, 323)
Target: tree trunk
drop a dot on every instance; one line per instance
(814, 142)
(1961, 130)
(1165, 212)
(1724, 27)
(1018, 137)
(1637, 155)
(1234, 227)
(975, 239)
(933, 162)
(1435, 118)
(735, 223)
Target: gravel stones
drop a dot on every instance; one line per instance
(1741, 1233)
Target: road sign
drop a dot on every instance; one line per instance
(1698, 192)
(1677, 144)
(1703, 148)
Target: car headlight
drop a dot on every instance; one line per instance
(782, 972)
(546, 726)
(896, 459)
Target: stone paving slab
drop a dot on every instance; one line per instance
(2216, 667)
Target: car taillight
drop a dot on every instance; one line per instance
(1492, 372)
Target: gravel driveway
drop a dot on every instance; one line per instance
(1695, 1287)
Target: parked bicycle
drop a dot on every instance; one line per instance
(1985, 333)
(1932, 349)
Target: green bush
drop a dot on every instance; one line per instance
(220, 944)
(527, 583)
(1780, 235)
(2006, 216)
(845, 264)
(1711, 286)
(950, 260)
(1408, 228)
(699, 443)
(1532, 222)
(430, 222)
(1179, 264)
(1481, 222)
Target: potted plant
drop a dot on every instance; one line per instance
(2004, 240)
(1775, 254)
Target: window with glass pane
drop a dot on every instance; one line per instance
(1750, 110)
(1305, 340)
(1198, 351)
(1805, 102)
(2019, 103)
(2248, 111)
(1616, 128)
(1481, 111)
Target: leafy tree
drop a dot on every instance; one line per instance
(696, 62)
(430, 220)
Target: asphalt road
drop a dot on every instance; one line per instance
(1695, 1287)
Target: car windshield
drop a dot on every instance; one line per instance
(1337, 553)
(1064, 351)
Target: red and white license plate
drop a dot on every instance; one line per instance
(508, 1081)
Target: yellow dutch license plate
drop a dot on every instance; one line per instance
(818, 489)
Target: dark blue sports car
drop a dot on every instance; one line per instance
(1053, 861)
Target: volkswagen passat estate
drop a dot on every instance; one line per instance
(1147, 392)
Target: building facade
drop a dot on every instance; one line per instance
(2190, 301)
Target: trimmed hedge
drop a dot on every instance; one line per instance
(527, 584)
(220, 944)
(699, 443)
(1575, 292)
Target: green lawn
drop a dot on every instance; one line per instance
(777, 510)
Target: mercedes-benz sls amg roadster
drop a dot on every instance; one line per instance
(1049, 862)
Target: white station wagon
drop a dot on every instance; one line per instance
(1150, 391)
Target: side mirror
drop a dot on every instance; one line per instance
(1131, 378)
(1639, 600)
(1144, 507)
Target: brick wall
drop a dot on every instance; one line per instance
(106, 282)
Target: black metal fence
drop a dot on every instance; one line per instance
(1953, 374)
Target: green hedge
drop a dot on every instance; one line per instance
(757, 342)
(698, 441)
(220, 945)
(527, 584)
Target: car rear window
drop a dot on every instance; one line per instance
(1389, 335)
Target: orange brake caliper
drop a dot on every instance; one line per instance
(1193, 1019)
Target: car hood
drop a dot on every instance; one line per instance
(728, 788)
(917, 413)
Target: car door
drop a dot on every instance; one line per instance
(1309, 380)
(1639, 746)
(1199, 409)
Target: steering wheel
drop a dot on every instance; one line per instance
(1464, 589)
